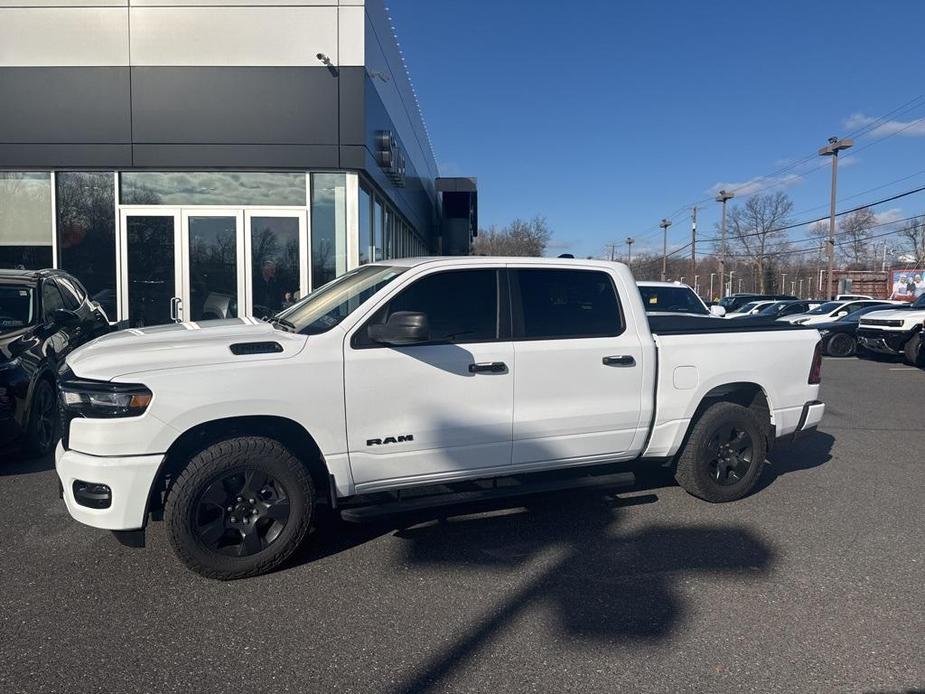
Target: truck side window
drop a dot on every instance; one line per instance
(564, 304)
(461, 306)
(72, 298)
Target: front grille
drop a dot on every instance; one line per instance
(887, 323)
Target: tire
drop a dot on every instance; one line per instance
(44, 423)
(704, 474)
(841, 345)
(240, 508)
(912, 352)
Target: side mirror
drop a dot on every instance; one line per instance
(62, 318)
(402, 328)
(718, 311)
(841, 314)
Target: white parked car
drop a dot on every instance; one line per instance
(833, 310)
(660, 298)
(750, 309)
(409, 373)
(852, 297)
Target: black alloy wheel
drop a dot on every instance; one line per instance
(731, 453)
(43, 419)
(841, 345)
(242, 513)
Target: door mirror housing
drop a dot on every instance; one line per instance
(717, 310)
(402, 328)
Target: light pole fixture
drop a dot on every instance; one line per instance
(831, 150)
(664, 224)
(723, 197)
(629, 252)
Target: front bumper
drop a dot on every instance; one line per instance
(883, 341)
(129, 479)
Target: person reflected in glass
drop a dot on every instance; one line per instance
(268, 293)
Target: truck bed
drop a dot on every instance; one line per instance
(693, 325)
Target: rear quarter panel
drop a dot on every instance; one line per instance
(691, 365)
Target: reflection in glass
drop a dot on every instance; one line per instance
(151, 277)
(213, 268)
(274, 263)
(25, 220)
(87, 233)
(211, 188)
(329, 227)
(366, 232)
(377, 231)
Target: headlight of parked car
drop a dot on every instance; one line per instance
(98, 399)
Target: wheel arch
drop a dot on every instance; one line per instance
(286, 431)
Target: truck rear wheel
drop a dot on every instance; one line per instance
(724, 453)
(912, 350)
(239, 508)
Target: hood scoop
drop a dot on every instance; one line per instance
(242, 349)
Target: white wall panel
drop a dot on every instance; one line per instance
(63, 36)
(351, 29)
(256, 36)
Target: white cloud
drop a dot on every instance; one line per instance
(756, 184)
(911, 128)
(894, 214)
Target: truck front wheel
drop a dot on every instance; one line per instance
(724, 453)
(911, 350)
(239, 508)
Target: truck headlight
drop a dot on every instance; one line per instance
(99, 399)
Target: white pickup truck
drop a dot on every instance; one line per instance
(896, 331)
(409, 373)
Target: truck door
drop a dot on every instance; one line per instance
(578, 394)
(438, 408)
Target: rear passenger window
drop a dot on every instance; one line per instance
(461, 306)
(562, 304)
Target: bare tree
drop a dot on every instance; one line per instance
(755, 230)
(519, 238)
(854, 232)
(913, 235)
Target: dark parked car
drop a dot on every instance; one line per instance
(44, 314)
(839, 338)
(734, 302)
(782, 309)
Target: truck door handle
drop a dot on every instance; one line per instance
(619, 360)
(488, 367)
(175, 309)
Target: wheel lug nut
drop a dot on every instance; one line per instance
(229, 509)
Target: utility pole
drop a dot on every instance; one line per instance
(693, 242)
(664, 224)
(613, 251)
(831, 150)
(723, 197)
(629, 253)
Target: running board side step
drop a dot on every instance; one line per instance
(358, 514)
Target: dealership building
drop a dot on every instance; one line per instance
(194, 159)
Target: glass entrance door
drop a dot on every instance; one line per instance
(150, 289)
(213, 267)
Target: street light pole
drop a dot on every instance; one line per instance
(693, 241)
(831, 150)
(712, 275)
(723, 197)
(629, 244)
(664, 224)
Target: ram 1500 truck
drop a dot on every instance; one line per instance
(896, 331)
(415, 372)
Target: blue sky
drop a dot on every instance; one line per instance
(607, 116)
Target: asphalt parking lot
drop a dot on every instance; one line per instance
(815, 583)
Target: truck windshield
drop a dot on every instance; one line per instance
(17, 309)
(327, 306)
(672, 300)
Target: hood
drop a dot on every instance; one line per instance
(180, 345)
(914, 315)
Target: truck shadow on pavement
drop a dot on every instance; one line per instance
(13, 461)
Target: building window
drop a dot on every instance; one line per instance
(329, 227)
(377, 230)
(212, 188)
(25, 220)
(274, 263)
(366, 230)
(87, 233)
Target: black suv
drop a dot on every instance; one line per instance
(44, 315)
